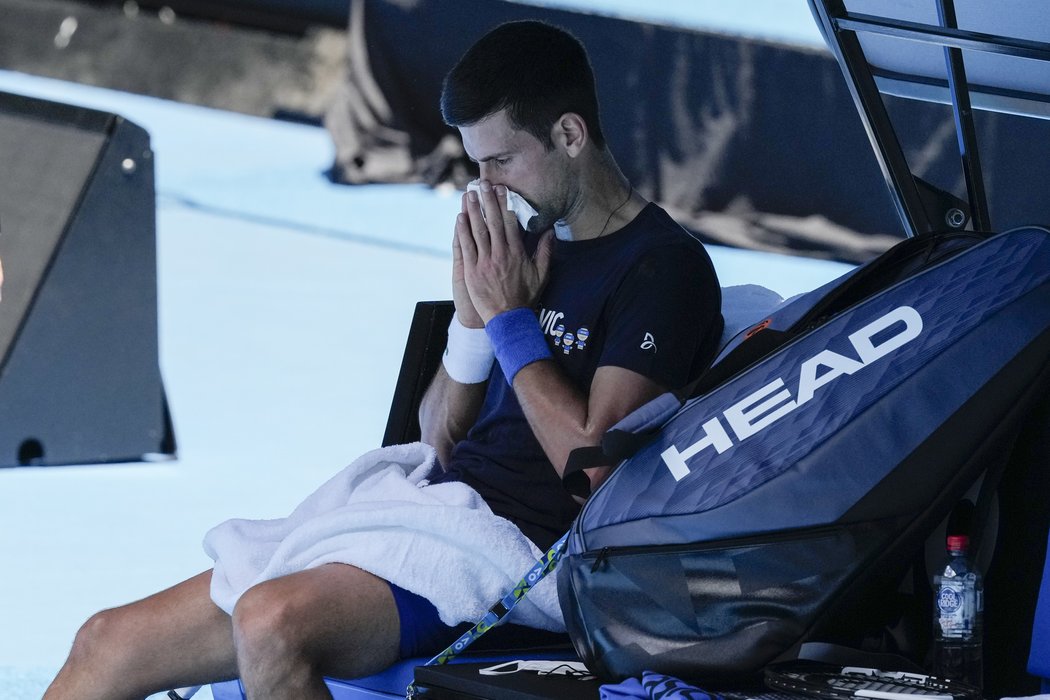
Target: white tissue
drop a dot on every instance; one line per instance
(515, 203)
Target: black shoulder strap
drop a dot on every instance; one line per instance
(573, 478)
(619, 442)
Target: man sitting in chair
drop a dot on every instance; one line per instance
(602, 304)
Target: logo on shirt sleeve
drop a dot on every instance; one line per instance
(649, 343)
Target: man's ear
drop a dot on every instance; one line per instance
(570, 133)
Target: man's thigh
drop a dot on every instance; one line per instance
(343, 619)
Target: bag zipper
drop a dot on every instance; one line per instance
(602, 555)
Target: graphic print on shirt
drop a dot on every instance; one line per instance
(552, 324)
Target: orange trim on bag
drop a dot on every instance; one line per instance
(760, 327)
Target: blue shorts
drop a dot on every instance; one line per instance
(422, 631)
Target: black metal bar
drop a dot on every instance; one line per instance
(964, 129)
(944, 36)
(876, 121)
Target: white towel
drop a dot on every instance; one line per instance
(439, 541)
(744, 305)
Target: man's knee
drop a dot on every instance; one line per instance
(267, 628)
(334, 620)
(96, 633)
(104, 641)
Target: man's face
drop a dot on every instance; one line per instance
(518, 160)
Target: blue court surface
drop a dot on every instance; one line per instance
(284, 308)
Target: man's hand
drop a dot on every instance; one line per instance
(465, 310)
(497, 272)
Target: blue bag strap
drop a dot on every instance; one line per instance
(501, 609)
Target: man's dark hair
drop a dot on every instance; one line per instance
(534, 70)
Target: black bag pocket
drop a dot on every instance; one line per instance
(707, 611)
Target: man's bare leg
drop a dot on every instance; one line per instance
(334, 620)
(285, 634)
(175, 638)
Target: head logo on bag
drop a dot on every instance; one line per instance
(773, 401)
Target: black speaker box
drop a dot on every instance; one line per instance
(80, 380)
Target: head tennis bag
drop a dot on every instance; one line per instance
(765, 511)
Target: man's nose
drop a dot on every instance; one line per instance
(486, 173)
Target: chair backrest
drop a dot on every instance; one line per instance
(426, 343)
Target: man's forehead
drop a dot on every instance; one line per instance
(492, 137)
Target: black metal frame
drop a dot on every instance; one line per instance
(910, 195)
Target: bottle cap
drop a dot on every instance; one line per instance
(958, 543)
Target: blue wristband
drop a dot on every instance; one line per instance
(517, 340)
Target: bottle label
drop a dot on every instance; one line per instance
(957, 606)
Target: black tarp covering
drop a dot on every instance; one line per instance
(284, 16)
(748, 143)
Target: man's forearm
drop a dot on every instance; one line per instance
(563, 418)
(448, 411)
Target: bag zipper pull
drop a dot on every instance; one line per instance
(601, 558)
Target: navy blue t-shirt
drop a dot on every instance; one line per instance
(644, 298)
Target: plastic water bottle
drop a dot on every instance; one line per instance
(958, 609)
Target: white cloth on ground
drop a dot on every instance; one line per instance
(439, 541)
